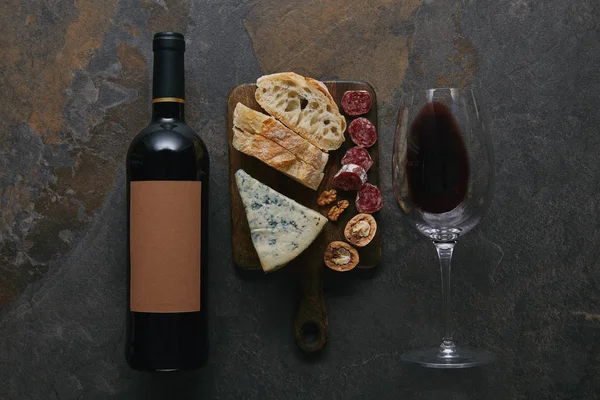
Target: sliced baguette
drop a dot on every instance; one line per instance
(256, 123)
(305, 106)
(277, 157)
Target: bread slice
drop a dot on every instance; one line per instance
(280, 228)
(257, 123)
(305, 106)
(277, 157)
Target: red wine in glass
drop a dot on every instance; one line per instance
(437, 165)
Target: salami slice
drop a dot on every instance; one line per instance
(368, 199)
(362, 132)
(359, 156)
(350, 177)
(356, 102)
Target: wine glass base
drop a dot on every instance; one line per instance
(466, 357)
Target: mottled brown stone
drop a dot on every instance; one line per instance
(132, 61)
(82, 37)
(168, 15)
(346, 39)
(88, 181)
(464, 58)
(61, 213)
(135, 32)
(61, 181)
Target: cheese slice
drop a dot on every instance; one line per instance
(281, 228)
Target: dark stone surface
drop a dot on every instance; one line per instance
(75, 79)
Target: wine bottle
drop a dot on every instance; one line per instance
(167, 192)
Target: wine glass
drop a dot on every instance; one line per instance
(443, 177)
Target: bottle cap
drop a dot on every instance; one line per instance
(168, 40)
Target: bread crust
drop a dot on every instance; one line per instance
(257, 123)
(305, 106)
(277, 157)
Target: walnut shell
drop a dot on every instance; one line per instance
(340, 256)
(360, 230)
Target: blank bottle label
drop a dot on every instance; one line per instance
(165, 246)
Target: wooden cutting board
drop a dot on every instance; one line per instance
(310, 327)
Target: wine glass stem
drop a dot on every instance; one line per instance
(444, 251)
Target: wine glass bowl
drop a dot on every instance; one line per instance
(444, 128)
(443, 178)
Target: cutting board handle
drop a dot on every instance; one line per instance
(310, 326)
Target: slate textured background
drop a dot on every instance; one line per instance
(75, 83)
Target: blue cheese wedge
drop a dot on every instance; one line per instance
(281, 228)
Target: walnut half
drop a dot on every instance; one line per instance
(360, 230)
(340, 256)
(327, 197)
(337, 210)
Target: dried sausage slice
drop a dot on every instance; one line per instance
(350, 177)
(362, 132)
(368, 199)
(356, 102)
(359, 156)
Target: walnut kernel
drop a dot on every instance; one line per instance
(360, 230)
(327, 197)
(337, 210)
(340, 256)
